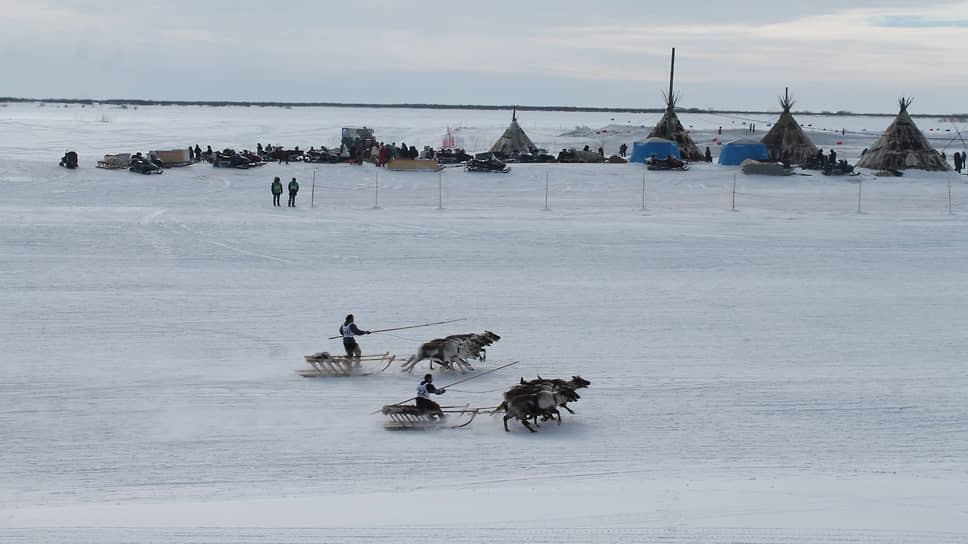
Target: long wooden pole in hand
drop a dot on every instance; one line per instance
(453, 384)
(410, 327)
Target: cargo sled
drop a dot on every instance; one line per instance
(115, 162)
(323, 364)
(171, 157)
(765, 168)
(409, 165)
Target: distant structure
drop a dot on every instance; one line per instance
(669, 127)
(514, 141)
(903, 146)
(786, 141)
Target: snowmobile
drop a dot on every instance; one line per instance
(842, 168)
(322, 155)
(452, 156)
(486, 163)
(228, 158)
(143, 165)
(667, 163)
(69, 160)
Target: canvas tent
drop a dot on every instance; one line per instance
(737, 151)
(902, 146)
(670, 128)
(787, 141)
(659, 147)
(514, 141)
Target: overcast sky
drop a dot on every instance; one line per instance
(834, 55)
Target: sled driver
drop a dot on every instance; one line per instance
(349, 331)
(424, 390)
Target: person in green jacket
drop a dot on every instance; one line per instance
(276, 191)
(293, 189)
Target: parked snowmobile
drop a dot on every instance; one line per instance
(69, 160)
(842, 168)
(486, 162)
(228, 158)
(143, 165)
(452, 156)
(667, 163)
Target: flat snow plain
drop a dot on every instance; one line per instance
(788, 371)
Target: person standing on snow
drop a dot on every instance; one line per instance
(350, 331)
(293, 189)
(276, 189)
(424, 391)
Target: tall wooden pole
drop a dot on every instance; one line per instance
(312, 201)
(672, 73)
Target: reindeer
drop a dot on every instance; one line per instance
(540, 398)
(543, 403)
(453, 351)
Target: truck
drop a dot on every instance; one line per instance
(358, 137)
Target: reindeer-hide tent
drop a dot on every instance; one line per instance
(786, 141)
(514, 141)
(902, 146)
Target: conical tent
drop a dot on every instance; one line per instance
(670, 128)
(902, 146)
(514, 141)
(787, 141)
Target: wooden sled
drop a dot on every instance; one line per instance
(115, 162)
(411, 165)
(325, 365)
(407, 417)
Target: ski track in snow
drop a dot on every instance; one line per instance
(792, 371)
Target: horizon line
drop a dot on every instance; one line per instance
(486, 107)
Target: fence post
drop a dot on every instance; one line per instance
(949, 194)
(860, 184)
(643, 190)
(546, 190)
(312, 200)
(734, 191)
(376, 192)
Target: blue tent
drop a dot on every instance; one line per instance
(660, 147)
(737, 151)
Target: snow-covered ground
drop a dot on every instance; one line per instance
(788, 371)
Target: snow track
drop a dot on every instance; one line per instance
(791, 372)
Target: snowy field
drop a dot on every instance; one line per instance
(791, 371)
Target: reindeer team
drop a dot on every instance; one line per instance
(540, 398)
(453, 352)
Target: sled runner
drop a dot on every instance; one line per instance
(408, 417)
(325, 365)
